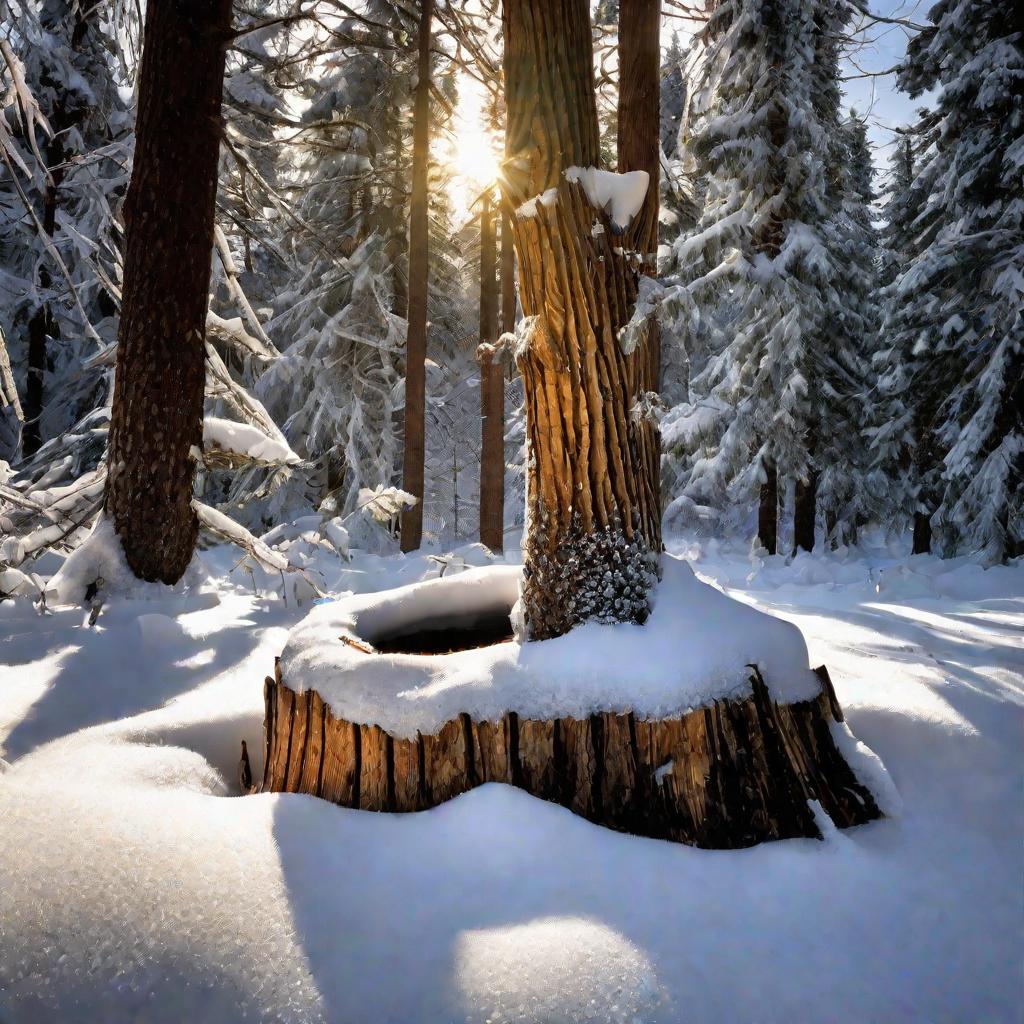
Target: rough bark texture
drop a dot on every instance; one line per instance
(805, 512)
(733, 774)
(594, 529)
(416, 339)
(492, 392)
(768, 511)
(158, 390)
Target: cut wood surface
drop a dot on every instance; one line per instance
(732, 774)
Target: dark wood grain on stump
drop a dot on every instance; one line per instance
(732, 774)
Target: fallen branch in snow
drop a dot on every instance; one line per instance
(234, 533)
(227, 529)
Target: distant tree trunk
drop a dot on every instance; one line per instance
(416, 340)
(768, 511)
(492, 393)
(508, 253)
(42, 325)
(158, 391)
(639, 115)
(508, 273)
(805, 511)
(593, 508)
(639, 149)
(397, 224)
(922, 533)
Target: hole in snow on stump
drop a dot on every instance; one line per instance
(447, 634)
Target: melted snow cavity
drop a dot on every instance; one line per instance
(696, 647)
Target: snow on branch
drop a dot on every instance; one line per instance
(264, 347)
(383, 503)
(233, 333)
(220, 384)
(26, 110)
(243, 442)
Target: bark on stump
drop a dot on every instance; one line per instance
(729, 775)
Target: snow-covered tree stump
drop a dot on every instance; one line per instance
(354, 719)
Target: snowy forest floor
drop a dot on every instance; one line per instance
(133, 888)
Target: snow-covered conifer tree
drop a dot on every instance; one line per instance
(955, 313)
(847, 493)
(63, 176)
(673, 95)
(756, 261)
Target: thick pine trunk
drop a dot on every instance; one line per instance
(768, 511)
(158, 392)
(416, 339)
(805, 511)
(594, 530)
(729, 775)
(492, 392)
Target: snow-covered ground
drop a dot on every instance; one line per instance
(136, 886)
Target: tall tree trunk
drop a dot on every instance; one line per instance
(639, 120)
(416, 339)
(492, 392)
(508, 273)
(805, 512)
(158, 389)
(594, 531)
(639, 149)
(397, 224)
(508, 252)
(768, 511)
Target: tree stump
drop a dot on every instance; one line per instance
(729, 775)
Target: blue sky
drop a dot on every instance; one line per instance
(885, 106)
